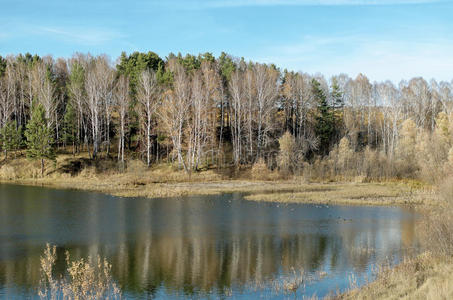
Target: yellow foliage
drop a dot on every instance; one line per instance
(345, 153)
(287, 156)
(86, 280)
(260, 171)
(407, 142)
(442, 128)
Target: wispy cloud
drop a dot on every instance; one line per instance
(380, 59)
(84, 36)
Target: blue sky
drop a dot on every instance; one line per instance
(387, 39)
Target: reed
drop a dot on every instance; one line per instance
(84, 279)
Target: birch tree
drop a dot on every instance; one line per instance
(122, 101)
(44, 90)
(266, 81)
(236, 88)
(6, 99)
(99, 83)
(77, 94)
(148, 97)
(174, 108)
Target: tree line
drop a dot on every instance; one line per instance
(201, 111)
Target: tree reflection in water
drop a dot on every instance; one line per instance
(196, 245)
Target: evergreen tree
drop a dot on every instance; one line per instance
(227, 67)
(189, 62)
(134, 64)
(164, 77)
(39, 137)
(325, 120)
(336, 95)
(69, 127)
(11, 137)
(2, 66)
(337, 103)
(206, 57)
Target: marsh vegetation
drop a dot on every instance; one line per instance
(197, 246)
(189, 125)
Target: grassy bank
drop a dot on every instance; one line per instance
(385, 193)
(167, 181)
(427, 276)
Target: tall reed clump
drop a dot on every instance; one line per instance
(438, 223)
(84, 280)
(290, 284)
(260, 171)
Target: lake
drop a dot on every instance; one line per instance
(198, 247)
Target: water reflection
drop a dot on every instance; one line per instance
(194, 245)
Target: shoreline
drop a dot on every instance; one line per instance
(164, 180)
(389, 193)
(282, 191)
(425, 276)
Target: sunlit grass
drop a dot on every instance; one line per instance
(165, 180)
(388, 193)
(84, 279)
(426, 276)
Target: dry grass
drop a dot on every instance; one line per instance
(84, 280)
(389, 193)
(167, 181)
(291, 283)
(424, 277)
(260, 171)
(429, 275)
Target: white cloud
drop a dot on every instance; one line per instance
(378, 59)
(86, 36)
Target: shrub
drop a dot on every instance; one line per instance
(287, 156)
(260, 171)
(84, 280)
(438, 224)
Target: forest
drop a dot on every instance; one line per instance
(201, 112)
(143, 126)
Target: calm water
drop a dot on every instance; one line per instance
(196, 246)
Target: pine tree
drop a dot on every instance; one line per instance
(337, 95)
(133, 65)
(227, 67)
(11, 137)
(337, 103)
(2, 66)
(69, 127)
(39, 137)
(325, 120)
